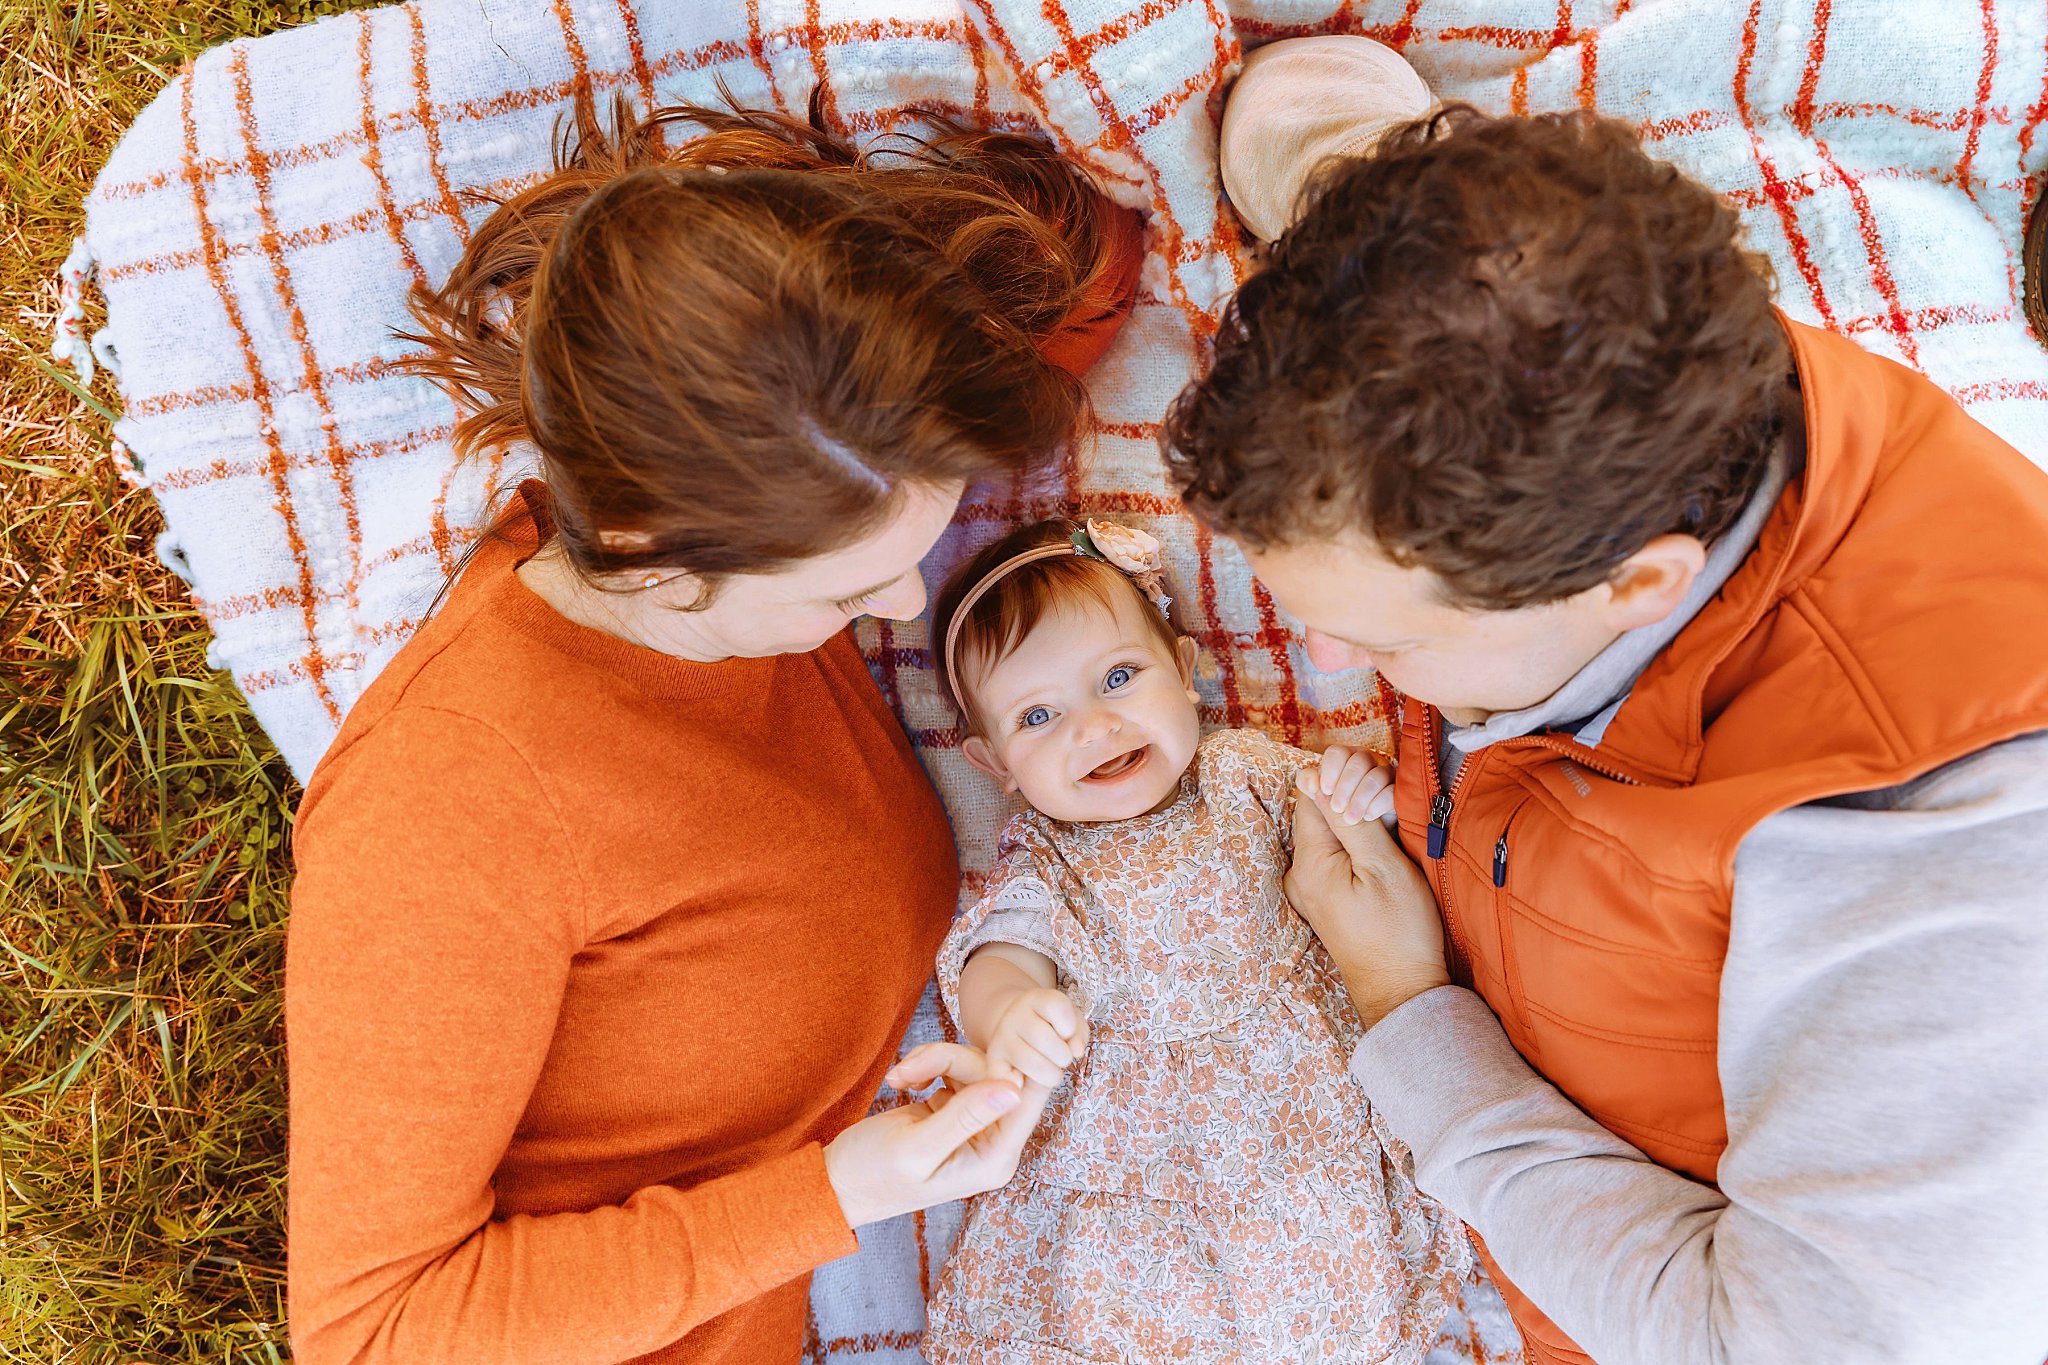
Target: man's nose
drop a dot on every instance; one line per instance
(900, 601)
(1332, 655)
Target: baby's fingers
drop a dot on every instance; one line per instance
(1057, 1010)
(1337, 761)
(1365, 794)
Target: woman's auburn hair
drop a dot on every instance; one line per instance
(731, 354)
(1512, 351)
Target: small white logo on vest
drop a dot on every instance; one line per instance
(1577, 779)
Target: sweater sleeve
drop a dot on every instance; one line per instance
(1884, 1062)
(434, 921)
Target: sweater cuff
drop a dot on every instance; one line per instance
(1438, 1059)
(789, 1213)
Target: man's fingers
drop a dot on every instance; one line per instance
(1367, 842)
(1315, 841)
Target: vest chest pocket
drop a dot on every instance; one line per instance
(1613, 977)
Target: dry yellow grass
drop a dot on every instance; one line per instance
(142, 816)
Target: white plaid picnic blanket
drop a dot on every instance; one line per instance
(256, 232)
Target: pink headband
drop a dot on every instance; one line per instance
(1124, 547)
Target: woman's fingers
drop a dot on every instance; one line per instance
(1040, 1060)
(941, 1133)
(957, 1062)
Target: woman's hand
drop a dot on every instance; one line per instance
(1357, 889)
(964, 1140)
(1037, 1033)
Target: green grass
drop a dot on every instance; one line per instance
(143, 817)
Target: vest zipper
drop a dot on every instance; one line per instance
(1441, 804)
(1439, 823)
(1500, 859)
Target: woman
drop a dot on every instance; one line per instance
(619, 887)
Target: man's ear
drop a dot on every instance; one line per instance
(982, 755)
(1185, 650)
(1652, 582)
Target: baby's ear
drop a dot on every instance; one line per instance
(982, 755)
(1186, 651)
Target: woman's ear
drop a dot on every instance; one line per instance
(1185, 650)
(982, 755)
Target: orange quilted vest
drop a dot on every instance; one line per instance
(1892, 617)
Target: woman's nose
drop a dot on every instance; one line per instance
(1331, 655)
(900, 601)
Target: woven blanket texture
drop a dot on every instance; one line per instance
(256, 232)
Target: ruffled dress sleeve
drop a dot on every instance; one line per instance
(1256, 763)
(1028, 900)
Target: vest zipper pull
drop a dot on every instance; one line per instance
(1500, 860)
(1439, 823)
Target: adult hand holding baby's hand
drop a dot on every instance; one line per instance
(1358, 890)
(963, 1140)
(1039, 1034)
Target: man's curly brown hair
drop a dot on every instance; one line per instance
(1510, 350)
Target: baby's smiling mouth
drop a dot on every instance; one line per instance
(1120, 766)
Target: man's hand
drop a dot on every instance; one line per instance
(1357, 889)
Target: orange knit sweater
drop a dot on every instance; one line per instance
(590, 949)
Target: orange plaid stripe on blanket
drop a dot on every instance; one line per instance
(256, 232)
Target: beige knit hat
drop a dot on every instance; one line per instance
(1299, 102)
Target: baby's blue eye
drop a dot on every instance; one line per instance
(1035, 717)
(1118, 676)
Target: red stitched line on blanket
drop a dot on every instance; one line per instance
(643, 75)
(757, 48)
(430, 130)
(1984, 74)
(1780, 195)
(310, 372)
(1220, 644)
(1894, 316)
(216, 271)
(373, 151)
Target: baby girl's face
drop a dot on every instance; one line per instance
(1091, 717)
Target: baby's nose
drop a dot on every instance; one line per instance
(1100, 724)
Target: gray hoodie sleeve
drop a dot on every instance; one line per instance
(1884, 1059)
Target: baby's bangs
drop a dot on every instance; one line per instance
(1012, 608)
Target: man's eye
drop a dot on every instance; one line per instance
(1119, 676)
(1035, 717)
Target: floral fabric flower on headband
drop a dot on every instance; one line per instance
(1135, 552)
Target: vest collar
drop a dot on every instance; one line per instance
(1659, 730)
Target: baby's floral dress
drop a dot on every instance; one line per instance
(1208, 1183)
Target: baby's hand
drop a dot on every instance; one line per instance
(1039, 1034)
(1349, 785)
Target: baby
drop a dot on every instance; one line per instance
(1207, 1184)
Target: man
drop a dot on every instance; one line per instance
(1723, 653)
